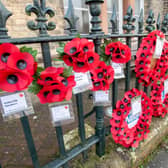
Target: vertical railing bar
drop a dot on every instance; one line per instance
(81, 122)
(127, 70)
(115, 92)
(61, 144)
(30, 142)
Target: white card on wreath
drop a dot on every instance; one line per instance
(83, 82)
(159, 47)
(118, 70)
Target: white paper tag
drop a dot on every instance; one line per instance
(118, 70)
(109, 111)
(60, 113)
(13, 103)
(135, 112)
(101, 96)
(83, 82)
(165, 91)
(159, 47)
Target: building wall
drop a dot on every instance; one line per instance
(157, 6)
(17, 23)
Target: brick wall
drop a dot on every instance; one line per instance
(156, 5)
(17, 27)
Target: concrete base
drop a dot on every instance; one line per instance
(120, 157)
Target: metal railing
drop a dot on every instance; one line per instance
(96, 34)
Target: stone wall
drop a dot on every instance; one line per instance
(17, 23)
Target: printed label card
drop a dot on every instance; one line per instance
(101, 97)
(61, 113)
(15, 105)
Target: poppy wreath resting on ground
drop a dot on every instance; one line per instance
(148, 68)
(118, 52)
(17, 67)
(54, 85)
(121, 132)
(102, 76)
(79, 53)
(159, 98)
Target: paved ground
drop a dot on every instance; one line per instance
(160, 160)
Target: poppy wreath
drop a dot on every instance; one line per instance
(102, 76)
(79, 54)
(53, 85)
(17, 67)
(159, 101)
(121, 133)
(118, 52)
(148, 68)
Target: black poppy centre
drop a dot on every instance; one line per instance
(4, 57)
(22, 64)
(12, 79)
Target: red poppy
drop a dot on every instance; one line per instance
(68, 60)
(102, 76)
(131, 135)
(12, 80)
(86, 46)
(156, 33)
(92, 59)
(55, 87)
(120, 53)
(6, 50)
(22, 62)
(72, 47)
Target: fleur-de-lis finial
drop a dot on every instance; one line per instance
(113, 20)
(140, 22)
(4, 15)
(40, 9)
(158, 22)
(129, 19)
(164, 26)
(71, 18)
(150, 21)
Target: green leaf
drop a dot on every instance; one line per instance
(60, 49)
(30, 51)
(39, 70)
(34, 88)
(67, 72)
(78, 35)
(57, 59)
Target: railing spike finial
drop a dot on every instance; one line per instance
(129, 19)
(40, 10)
(158, 22)
(140, 22)
(71, 18)
(113, 19)
(164, 27)
(4, 15)
(150, 21)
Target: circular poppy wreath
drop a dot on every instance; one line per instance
(17, 67)
(159, 101)
(102, 76)
(118, 52)
(53, 85)
(121, 133)
(79, 54)
(147, 68)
